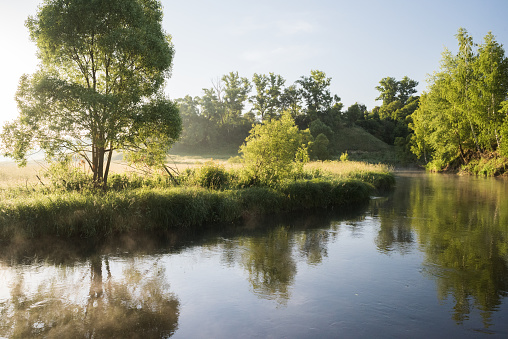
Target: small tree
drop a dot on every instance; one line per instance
(275, 150)
(318, 148)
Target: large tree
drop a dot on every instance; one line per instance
(461, 117)
(103, 64)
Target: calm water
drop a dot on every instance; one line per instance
(430, 260)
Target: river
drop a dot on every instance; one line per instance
(428, 260)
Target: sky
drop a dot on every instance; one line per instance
(356, 43)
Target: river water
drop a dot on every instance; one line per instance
(428, 260)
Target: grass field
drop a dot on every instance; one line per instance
(13, 176)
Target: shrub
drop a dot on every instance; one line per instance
(67, 175)
(274, 150)
(210, 176)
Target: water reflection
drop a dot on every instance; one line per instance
(452, 230)
(270, 264)
(462, 228)
(270, 254)
(52, 302)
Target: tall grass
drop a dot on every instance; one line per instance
(205, 197)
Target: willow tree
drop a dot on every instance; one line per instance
(103, 64)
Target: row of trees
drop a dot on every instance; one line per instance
(227, 110)
(220, 115)
(463, 114)
(99, 89)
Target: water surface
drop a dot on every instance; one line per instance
(428, 260)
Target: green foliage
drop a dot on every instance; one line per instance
(67, 175)
(236, 92)
(380, 180)
(389, 122)
(210, 176)
(354, 112)
(218, 120)
(98, 89)
(486, 166)
(266, 103)
(318, 149)
(274, 150)
(154, 203)
(318, 127)
(316, 93)
(461, 116)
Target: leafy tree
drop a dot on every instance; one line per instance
(318, 127)
(318, 149)
(291, 100)
(260, 100)
(461, 116)
(98, 89)
(274, 150)
(354, 112)
(275, 92)
(212, 103)
(395, 96)
(406, 89)
(195, 125)
(489, 90)
(316, 93)
(389, 122)
(267, 100)
(388, 88)
(236, 92)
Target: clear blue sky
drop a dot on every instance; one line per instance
(356, 43)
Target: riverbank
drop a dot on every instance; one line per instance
(34, 212)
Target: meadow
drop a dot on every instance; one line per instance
(208, 191)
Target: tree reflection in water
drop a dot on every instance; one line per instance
(461, 225)
(270, 264)
(136, 305)
(270, 259)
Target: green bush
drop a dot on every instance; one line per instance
(380, 180)
(210, 176)
(318, 149)
(67, 175)
(275, 150)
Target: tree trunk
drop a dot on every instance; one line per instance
(108, 163)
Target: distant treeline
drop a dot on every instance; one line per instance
(224, 114)
(460, 122)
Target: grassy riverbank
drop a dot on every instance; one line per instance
(141, 203)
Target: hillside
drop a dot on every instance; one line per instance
(359, 144)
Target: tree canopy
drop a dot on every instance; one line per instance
(462, 114)
(219, 119)
(99, 85)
